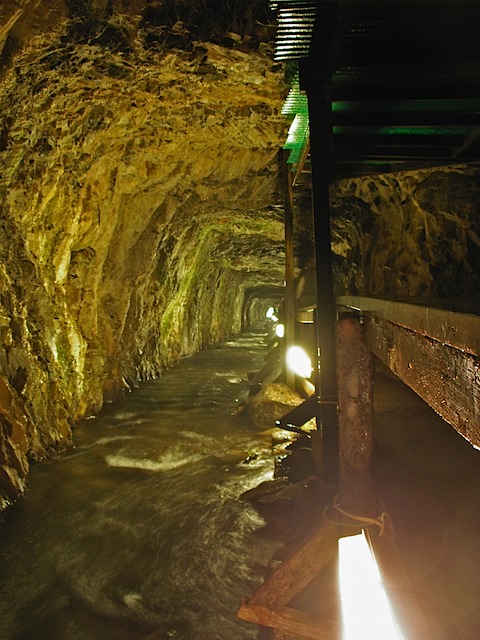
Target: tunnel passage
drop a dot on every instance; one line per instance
(141, 205)
(139, 192)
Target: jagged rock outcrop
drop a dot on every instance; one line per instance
(272, 402)
(414, 234)
(139, 176)
(409, 235)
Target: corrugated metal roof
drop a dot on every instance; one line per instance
(295, 22)
(404, 78)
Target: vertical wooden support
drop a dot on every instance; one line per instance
(289, 310)
(355, 397)
(319, 108)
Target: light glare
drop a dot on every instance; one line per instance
(366, 612)
(299, 362)
(270, 312)
(280, 330)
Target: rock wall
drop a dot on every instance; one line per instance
(409, 235)
(139, 169)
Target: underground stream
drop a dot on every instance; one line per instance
(141, 526)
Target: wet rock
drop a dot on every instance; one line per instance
(14, 445)
(290, 508)
(271, 403)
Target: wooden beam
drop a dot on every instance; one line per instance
(469, 140)
(355, 169)
(459, 330)
(358, 91)
(290, 621)
(301, 164)
(356, 138)
(447, 378)
(299, 567)
(355, 116)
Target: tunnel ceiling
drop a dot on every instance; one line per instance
(132, 108)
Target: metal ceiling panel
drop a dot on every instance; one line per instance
(404, 78)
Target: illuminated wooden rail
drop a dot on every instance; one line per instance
(434, 351)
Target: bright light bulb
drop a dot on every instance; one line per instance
(366, 612)
(280, 330)
(270, 312)
(299, 362)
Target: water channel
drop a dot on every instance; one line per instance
(141, 526)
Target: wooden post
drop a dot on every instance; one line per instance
(289, 309)
(355, 397)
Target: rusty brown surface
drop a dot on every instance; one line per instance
(459, 330)
(448, 379)
(287, 621)
(299, 567)
(355, 402)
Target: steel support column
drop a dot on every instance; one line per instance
(355, 395)
(319, 107)
(289, 299)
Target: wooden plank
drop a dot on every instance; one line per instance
(301, 164)
(459, 330)
(447, 379)
(290, 621)
(299, 567)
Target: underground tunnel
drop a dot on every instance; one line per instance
(146, 185)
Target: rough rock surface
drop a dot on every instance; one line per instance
(271, 403)
(139, 174)
(414, 234)
(409, 235)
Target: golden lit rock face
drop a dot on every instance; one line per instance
(412, 234)
(136, 197)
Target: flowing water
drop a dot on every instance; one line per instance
(141, 526)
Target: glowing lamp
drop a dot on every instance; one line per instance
(366, 612)
(299, 362)
(280, 330)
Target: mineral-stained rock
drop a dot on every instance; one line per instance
(412, 234)
(14, 427)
